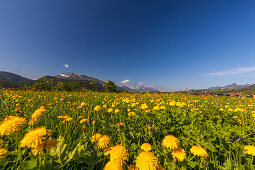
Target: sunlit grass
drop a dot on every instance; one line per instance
(219, 127)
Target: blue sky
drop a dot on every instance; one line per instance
(170, 44)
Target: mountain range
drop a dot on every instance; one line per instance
(75, 81)
(78, 81)
(231, 86)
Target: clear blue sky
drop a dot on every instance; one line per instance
(174, 44)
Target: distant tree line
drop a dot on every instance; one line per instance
(50, 85)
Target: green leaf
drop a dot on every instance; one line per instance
(192, 164)
(210, 147)
(72, 154)
(32, 164)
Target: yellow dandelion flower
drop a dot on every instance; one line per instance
(156, 108)
(2, 152)
(112, 165)
(42, 107)
(34, 137)
(116, 110)
(11, 124)
(65, 117)
(51, 143)
(97, 108)
(83, 104)
(146, 147)
(179, 154)
(38, 113)
(250, 150)
(120, 124)
(163, 107)
(33, 121)
(146, 161)
(144, 106)
(118, 153)
(110, 110)
(95, 137)
(199, 151)
(69, 119)
(103, 141)
(60, 117)
(149, 127)
(131, 114)
(171, 142)
(83, 120)
(133, 104)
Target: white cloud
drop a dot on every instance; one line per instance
(232, 71)
(140, 83)
(66, 65)
(125, 81)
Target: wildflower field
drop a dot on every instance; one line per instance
(114, 131)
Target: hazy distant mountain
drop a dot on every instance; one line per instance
(146, 89)
(234, 86)
(140, 89)
(231, 86)
(126, 88)
(251, 87)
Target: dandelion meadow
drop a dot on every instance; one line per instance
(127, 84)
(78, 130)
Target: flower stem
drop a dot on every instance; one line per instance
(19, 150)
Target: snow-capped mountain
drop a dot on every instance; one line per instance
(77, 76)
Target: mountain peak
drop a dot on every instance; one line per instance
(78, 76)
(69, 74)
(75, 76)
